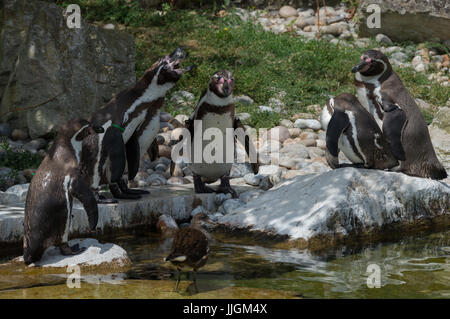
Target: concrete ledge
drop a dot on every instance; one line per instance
(176, 201)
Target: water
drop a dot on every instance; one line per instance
(415, 267)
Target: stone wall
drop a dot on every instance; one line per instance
(414, 20)
(50, 73)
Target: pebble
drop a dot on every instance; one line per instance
(165, 151)
(243, 116)
(383, 39)
(312, 124)
(19, 134)
(287, 11)
(5, 129)
(181, 118)
(265, 108)
(243, 99)
(253, 179)
(287, 123)
(178, 180)
(156, 180)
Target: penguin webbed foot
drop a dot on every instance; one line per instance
(225, 187)
(67, 250)
(103, 200)
(200, 187)
(125, 190)
(117, 193)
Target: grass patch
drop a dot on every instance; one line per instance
(18, 160)
(263, 63)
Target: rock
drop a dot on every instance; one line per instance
(287, 123)
(19, 134)
(383, 39)
(5, 130)
(440, 136)
(231, 205)
(243, 116)
(294, 132)
(181, 118)
(252, 179)
(265, 183)
(315, 152)
(294, 151)
(357, 202)
(156, 180)
(399, 56)
(306, 116)
(321, 144)
(288, 11)
(267, 170)
(240, 169)
(177, 180)
(312, 124)
(164, 151)
(199, 210)
(160, 168)
(276, 104)
(167, 226)
(243, 99)
(414, 20)
(264, 108)
(78, 69)
(5, 172)
(301, 22)
(96, 255)
(220, 198)
(181, 97)
(308, 136)
(35, 145)
(279, 133)
(165, 117)
(423, 104)
(20, 190)
(334, 29)
(278, 28)
(308, 142)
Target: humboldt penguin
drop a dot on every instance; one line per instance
(48, 207)
(352, 129)
(216, 111)
(131, 122)
(383, 94)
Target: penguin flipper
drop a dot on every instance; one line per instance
(116, 152)
(153, 151)
(338, 123)
(81, 191)
(393, 123)
(249, 147)
(133, 156)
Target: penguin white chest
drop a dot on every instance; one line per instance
(214, 129)
(149, 133)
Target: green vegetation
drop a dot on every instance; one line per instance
(263, 63)
(17, 161)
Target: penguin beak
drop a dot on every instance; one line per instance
(178, 54)
(361, 65)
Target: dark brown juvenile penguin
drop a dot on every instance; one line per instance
(352, 129)
(48, 208)
(216, 110)
(383, 94)
(131, 122)
(190, 248)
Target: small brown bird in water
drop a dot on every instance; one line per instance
(190, 247)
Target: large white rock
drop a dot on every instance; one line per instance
(96, 254)
(341, 202)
